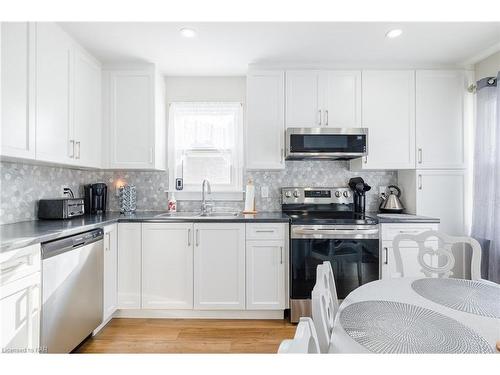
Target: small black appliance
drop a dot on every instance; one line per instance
(60, 208)
(359, 187)
(96, 196)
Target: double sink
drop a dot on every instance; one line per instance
(197, 215)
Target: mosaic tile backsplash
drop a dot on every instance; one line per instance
(23, 184)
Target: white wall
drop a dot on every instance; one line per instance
(489, 67)
(197, 89)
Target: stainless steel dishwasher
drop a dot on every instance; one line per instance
(72, 289)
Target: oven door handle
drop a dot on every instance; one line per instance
(336, 231)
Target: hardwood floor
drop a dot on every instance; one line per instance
(189, 336)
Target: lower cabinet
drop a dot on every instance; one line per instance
(219, 266)
(110, 271)
(129, 266)
(265, 275)
(409, 267)
(167, 266)
(20, 300)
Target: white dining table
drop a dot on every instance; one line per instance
(438, 315)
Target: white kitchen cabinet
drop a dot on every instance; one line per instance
(265, 275)
(440, 119)
(389, 114)
(20, 299)
(323, 98)
(265, 120)
(54, 142)
(134, 118)
(86, 110)
(437, 193)
(110, 271)
(129, 266)
(219, 266)
(408, 249)
(303, 108)
(17, 89)
(342, 101)
(167, 266)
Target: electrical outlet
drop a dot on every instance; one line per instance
(381, 189)
(264, 191)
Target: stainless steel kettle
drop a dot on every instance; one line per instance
(390, 200)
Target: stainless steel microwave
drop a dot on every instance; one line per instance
(326, 143)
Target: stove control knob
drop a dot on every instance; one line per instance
(288, 193)
(346, 194)
(296, 193)
(338, 194)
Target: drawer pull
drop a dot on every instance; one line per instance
(264, 231)
(281, 254)
(386, 255)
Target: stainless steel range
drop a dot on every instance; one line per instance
(324, 227)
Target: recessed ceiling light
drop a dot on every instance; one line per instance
(187, 32)
(391, 34)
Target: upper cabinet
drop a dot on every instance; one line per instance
(134, 118)
(265, 128)
(18, 78)
(440, 119)
(50, 95)
(389, 115)
(323, 98)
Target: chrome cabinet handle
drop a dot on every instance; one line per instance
(189, 237)
(281, 254)
(151, 155)
(197, 237)
(419, 182)
(419, 156)
(107, 242)
(319, 117)
(72, 148)
(326, 115)
(386, 255)
(78, 153)
(282, 154)
(264, 231)
(366, 159)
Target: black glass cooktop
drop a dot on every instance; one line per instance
(330, 218)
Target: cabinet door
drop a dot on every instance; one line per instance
(129, 266)
(409, 262)
(440, 119)
(54, 142)
(442, 194)
(219, 266)
(167, 266)
(17, 89)
(265, 277)
(20, 314)
(389, 115)
(110, 271)
(343, 99)
(87, 109)
(265, 120)
(303, 96)
(131, 119)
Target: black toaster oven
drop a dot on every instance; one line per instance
(60, 208)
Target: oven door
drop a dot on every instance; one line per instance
(353, 252)
(326, 143)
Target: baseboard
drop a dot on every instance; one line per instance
(101, 326)
(200, 314)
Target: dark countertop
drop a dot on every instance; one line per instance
(17, 235)
(405, 218)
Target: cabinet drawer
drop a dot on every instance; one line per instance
(19, 263)
(265, 231)
(389, 231)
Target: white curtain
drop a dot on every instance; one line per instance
(486, 199)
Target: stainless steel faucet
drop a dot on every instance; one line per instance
(204, 205)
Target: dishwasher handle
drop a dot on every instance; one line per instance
(62, 245)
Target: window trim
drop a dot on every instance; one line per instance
(232, 193)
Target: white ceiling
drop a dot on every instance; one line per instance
(228, 48)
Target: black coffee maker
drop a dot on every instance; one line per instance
(96, 196)
(359, 187)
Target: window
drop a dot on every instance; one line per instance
(205, 142)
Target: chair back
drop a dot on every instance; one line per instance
(324, 304)
(305, 340)
(443, 250)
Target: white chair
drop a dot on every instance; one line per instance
(325, 305)
(443, 250)
(305, 340)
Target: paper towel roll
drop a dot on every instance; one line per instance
(250, 197)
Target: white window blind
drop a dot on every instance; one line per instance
(205, 142)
